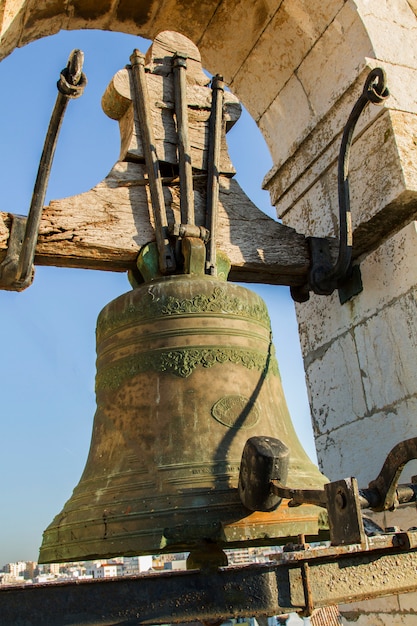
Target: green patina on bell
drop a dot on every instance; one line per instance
(186, 373)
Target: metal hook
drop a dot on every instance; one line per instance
(324, 279)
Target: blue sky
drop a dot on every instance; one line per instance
(47, 367)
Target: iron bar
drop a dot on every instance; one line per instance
(322, 280)
(166, 254)
(368, 498)
(184, 150)
(70, 85)
(383, 494)
(335, 575)
(213, 169)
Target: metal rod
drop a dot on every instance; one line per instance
(184, 151)
(71, 85)
(166, 254)
(375, 91)
(213, 168)
(369, 498)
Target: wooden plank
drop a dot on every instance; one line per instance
(104, 228)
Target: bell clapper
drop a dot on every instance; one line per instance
(206, 557)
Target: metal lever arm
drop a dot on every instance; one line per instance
(259, 453)
(384, 493)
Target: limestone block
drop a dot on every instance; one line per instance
(228, 20)
(387, 352)
(371, 188)
(378, 19)
(9, 10)
(404, 517)
(284, 43)
(388, 272)
(322, 195)
(189, 18)
(413, 5)
(284, 119)
(375, 171)
(320, 147)
(41, 21)
(379, 605)
(360, 447)
(363, 614)
(12, 19)
(377, 619)
(408, 603)
(383, 183)
(321, 320)
(332, 65)
(335, 401)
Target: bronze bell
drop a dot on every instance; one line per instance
(186, 373)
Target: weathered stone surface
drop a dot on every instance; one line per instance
(282, 116)
(227, 21)
(378, 17)
(359, 448)
(380, 204)
(393, 610)
(332, 405)
(286, 41)
(387, 274)
(345, 38)
(386, 345)
(378, 333)
(321, 145)
(408, 603)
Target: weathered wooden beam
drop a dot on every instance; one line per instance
(105, 228)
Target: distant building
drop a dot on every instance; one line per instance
(137, 564)
(16, 570)
(106, 570)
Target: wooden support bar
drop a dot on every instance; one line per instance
(104, 229)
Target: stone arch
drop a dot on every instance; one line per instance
(299, 51)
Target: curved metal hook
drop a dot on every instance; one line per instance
(322, 280)
(19, 273)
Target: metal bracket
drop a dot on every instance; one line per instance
(344, 510)
(9, 265)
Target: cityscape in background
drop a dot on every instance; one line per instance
(31, 572)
